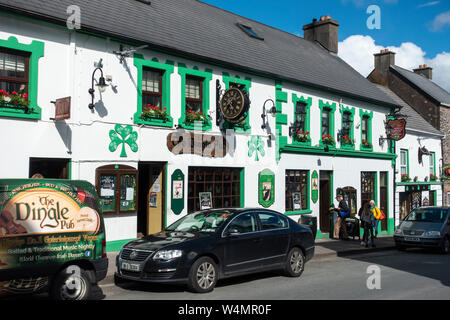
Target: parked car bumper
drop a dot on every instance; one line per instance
(421, 242)
(155, 272)
(309, 253)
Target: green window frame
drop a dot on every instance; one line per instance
(432, 163)
(307, 197)
(167, 69)
(307, 102)
(35, 50)
(369, 116)
(331, 107)
(206, 77)
(402, 165)
(351, 112)
(247, 83)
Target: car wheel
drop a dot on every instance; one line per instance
(445, 246)
(72, 283)
(295, 263)
(203, 275)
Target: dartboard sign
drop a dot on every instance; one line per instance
(234, 105)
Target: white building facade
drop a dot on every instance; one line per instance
(144, 185)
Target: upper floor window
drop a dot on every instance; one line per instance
(403, 162)
(300, 116)
(432, 163)
(346, 124)
(325, 122)
(152, 88)
(194, 94)
(364, 128)
(13, 71)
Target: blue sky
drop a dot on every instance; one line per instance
(418, 30)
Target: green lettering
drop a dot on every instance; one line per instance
(18, 211)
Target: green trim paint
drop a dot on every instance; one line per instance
(206, 77)
(36, 51)
(308, 103)
(247, 83)
(280, 119)
(167, 69)
(369, 116)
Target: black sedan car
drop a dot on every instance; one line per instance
(205, 246)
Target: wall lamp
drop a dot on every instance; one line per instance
(273, 111)
(101, 85)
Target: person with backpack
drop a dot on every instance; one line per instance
(378, 215)
(343, 212)
(368, 221)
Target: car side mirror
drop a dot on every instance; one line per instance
(233, 232)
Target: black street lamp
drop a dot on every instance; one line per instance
(101, 85)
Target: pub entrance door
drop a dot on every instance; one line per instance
(325, 201)
(152, 197)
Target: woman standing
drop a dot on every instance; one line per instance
(368, 221)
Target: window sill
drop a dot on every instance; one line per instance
(364, 148)
(168, 122)
(205, 126)
(301, 143)
(20, 112)
(292, 213)
(348, 146)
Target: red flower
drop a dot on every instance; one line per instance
(25, 96)
(14, 92)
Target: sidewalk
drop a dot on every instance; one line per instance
(324, 248)
(341, 248)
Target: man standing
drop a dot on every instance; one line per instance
(343, 212)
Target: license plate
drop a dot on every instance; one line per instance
(411, 239)
(130, 266)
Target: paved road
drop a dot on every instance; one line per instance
(415, 274)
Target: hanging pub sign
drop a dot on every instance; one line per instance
(266, 188)
(234, 105)
(397, 129)
(204, 145)
(62, 109)
(446, 172)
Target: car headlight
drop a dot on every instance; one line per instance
(167, 254)
(432, 234)
(398, 232)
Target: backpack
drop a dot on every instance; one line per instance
(344, 214)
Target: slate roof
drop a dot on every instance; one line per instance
(197, 29)
(426, 85)
(414, 121)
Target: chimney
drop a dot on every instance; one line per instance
(383, 60)
(425, 70)
(324, 31)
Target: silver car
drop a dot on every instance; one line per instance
(425, 227)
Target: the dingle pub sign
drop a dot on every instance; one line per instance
(397, 129)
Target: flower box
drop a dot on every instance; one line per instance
(367, 144)
(346, 140)
(433, 177)
(301, 136)
(405, 177)
(151, 112)
(192, 117)
(327, 139)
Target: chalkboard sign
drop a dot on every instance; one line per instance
(107, 192)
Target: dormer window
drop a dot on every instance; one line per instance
(249, 31)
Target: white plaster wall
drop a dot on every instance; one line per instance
(66, 70)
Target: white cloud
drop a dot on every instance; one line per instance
(358, 50)
(441, 21)
(428, 4)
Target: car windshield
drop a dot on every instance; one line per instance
(427, 215)
(202, 221)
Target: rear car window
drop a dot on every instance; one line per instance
(427, 215)
(272, 221)
(244, 223)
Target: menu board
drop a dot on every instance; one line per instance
(107, 192)
(128, 192)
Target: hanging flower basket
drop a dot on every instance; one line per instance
(153, 112)
(346, 140)
(366, 144)
(15, 100)
(327, 139)
(433, 177)
(301, 136)
(192, 117)
(405, 177)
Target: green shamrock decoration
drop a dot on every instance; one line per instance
(119, 137)
(255, 145)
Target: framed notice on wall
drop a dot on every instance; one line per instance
(107, 192)
(205, 199)
(266, 188)
(296, 201)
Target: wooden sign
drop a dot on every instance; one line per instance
(62, 108)
(213, 146)
(397, 129)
